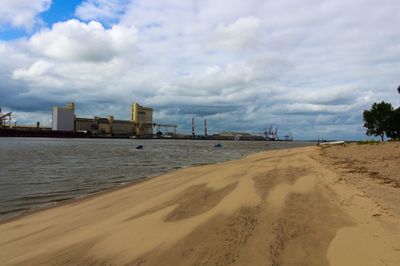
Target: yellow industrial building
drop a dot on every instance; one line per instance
(142, 119)
(140, 123)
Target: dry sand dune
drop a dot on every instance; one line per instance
(287, 207)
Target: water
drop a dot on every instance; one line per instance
(37, 172)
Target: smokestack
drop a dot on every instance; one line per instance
(205, 127)
(193, 134)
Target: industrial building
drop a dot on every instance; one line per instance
(63, 118)
(142, 118)
(140, 123)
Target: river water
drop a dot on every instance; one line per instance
(38, 172)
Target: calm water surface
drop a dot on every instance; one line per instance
(37, 172)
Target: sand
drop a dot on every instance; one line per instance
(302, 206)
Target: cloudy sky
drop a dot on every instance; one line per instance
(309, 66)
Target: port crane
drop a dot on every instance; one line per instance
(272, 133)
(5, 119)
(289, 136)
(159, 126)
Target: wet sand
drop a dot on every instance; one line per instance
(301, 206)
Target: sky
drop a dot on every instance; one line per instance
(309, 67)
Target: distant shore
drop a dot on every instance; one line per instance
(303, 206)
(40, 133)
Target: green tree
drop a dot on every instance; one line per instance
(377, 119)
(394, 125)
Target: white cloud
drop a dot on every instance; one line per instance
(315, 108)
(242, 33)
(107, 10)
(22, 13)
(76, 60)
(77, 41)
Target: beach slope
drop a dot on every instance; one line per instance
(284, 207)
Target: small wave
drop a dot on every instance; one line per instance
(117, 177)
(14, 210)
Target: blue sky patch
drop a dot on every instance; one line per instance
(60, 10)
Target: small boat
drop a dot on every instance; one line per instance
(139, 147)
(218, 145)
(331, 143)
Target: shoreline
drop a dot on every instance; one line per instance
(110, 189)
(90, 196)
(72, 200)
(272, 206)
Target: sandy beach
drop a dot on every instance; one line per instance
(302, 206)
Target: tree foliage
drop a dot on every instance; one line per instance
(377, 120)
(382, 120)
(393, 131)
